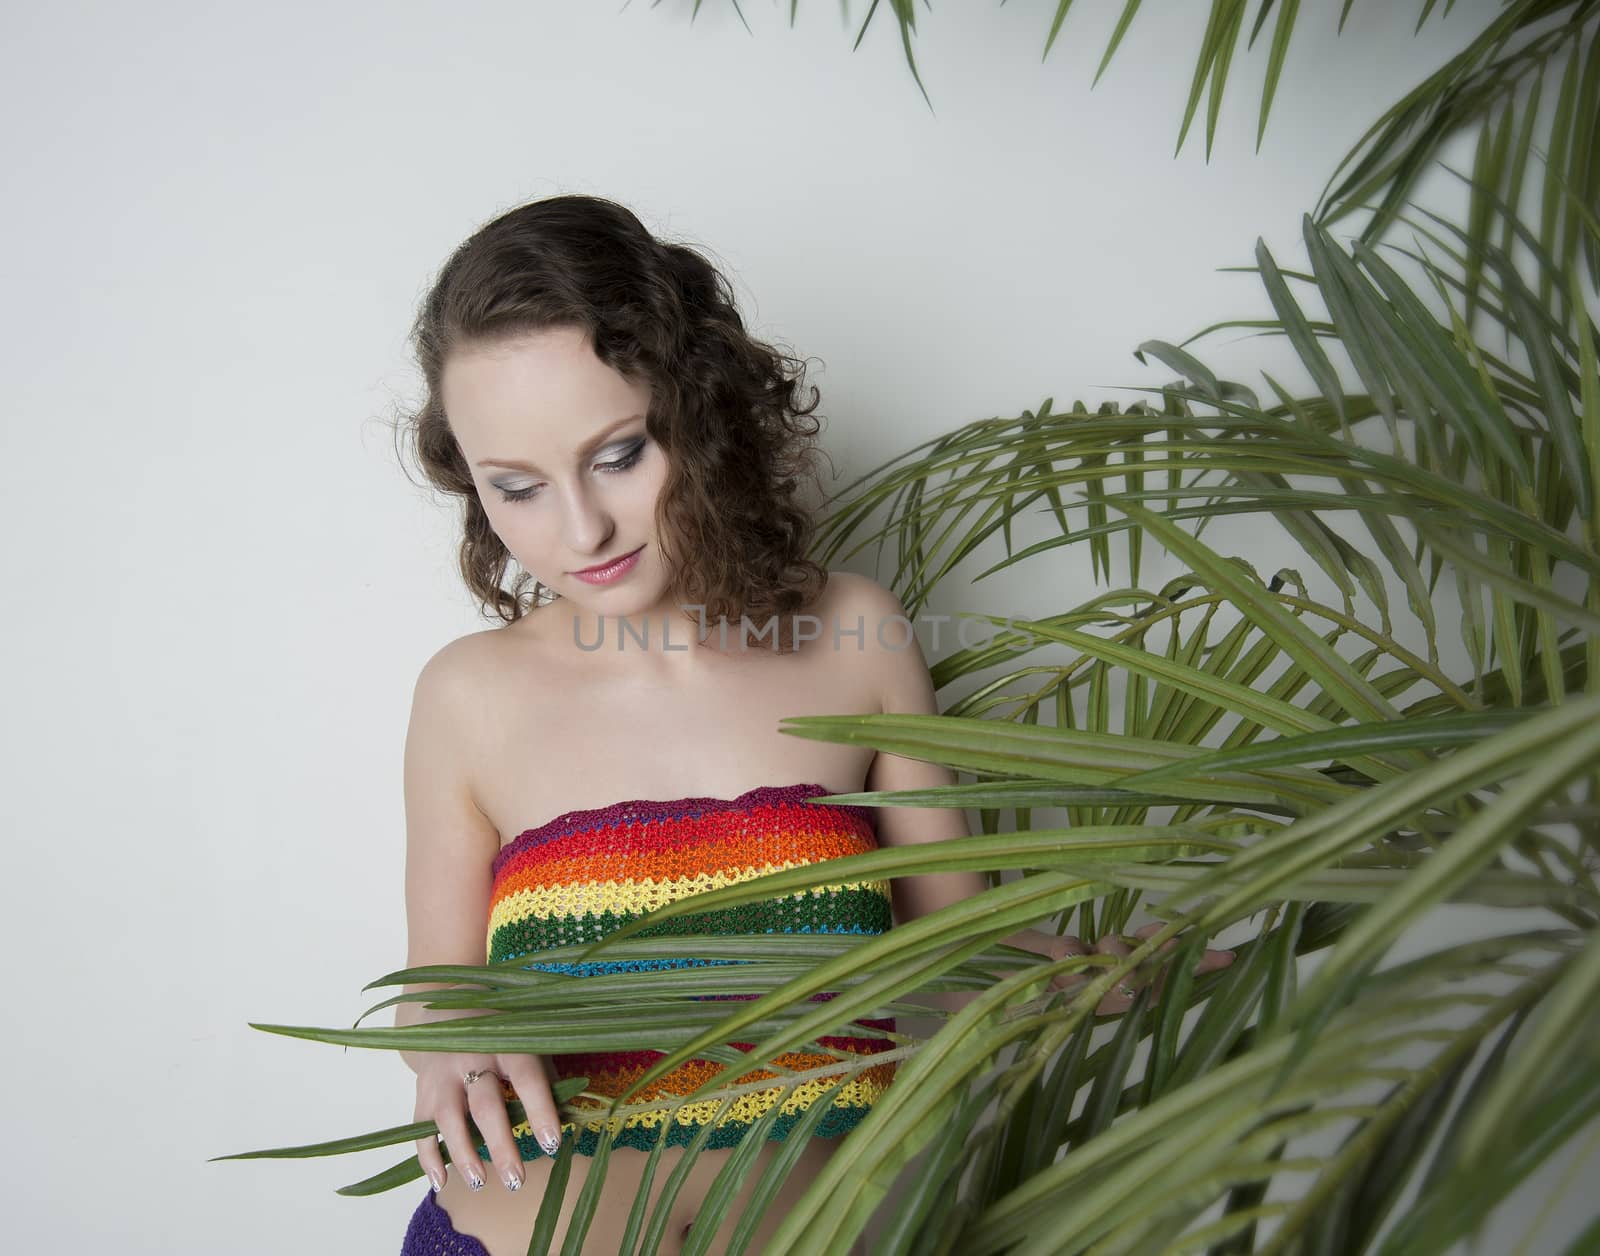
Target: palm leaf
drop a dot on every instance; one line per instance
(1234, 751)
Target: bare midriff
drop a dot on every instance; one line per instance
(503, 1220)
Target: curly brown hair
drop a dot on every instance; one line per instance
(725, 407)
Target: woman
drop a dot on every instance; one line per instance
(597, 408)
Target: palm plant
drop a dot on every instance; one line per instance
(1221, 761)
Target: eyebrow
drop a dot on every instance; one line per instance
(589, 446)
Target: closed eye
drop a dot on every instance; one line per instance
(625, 463)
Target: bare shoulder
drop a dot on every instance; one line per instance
(872, 626)
(849, 593)
(452, 673)
(454, 696)
(465, 683)
(853, 597)
(448, 732)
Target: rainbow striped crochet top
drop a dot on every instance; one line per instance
(579, 876)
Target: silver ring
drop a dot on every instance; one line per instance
(472, 1075)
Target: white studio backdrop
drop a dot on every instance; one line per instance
(218, 222)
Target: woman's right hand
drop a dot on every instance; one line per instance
(444, 1098)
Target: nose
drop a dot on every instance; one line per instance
(586, 525)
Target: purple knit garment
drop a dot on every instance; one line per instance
(431, 1234)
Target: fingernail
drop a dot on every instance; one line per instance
(513, 1182)
(550, 1139)
(437, 1178)
(474, 1181)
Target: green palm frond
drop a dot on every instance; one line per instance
(1502, 460)
(1494, 86)
(1233, 750)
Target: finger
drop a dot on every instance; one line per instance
(531, 1080)
(1121, 996)
(1209, 961)
(1073, 978)
(1162, 954)
(1154, 927)
(429, 1158)
(1069, 981)
(451, 1118)
(487, 1101)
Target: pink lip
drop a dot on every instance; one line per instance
(605, 574)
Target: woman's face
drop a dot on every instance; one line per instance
(566, 472)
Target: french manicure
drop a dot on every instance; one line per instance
(474, 1181)
(550, 1139)
(513, 1182)
(437, 1178)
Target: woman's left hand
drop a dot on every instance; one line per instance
(1121, 996)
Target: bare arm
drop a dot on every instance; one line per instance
(450, 843)
(450, 850)
(905, 686)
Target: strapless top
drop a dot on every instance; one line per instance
(584, 873)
